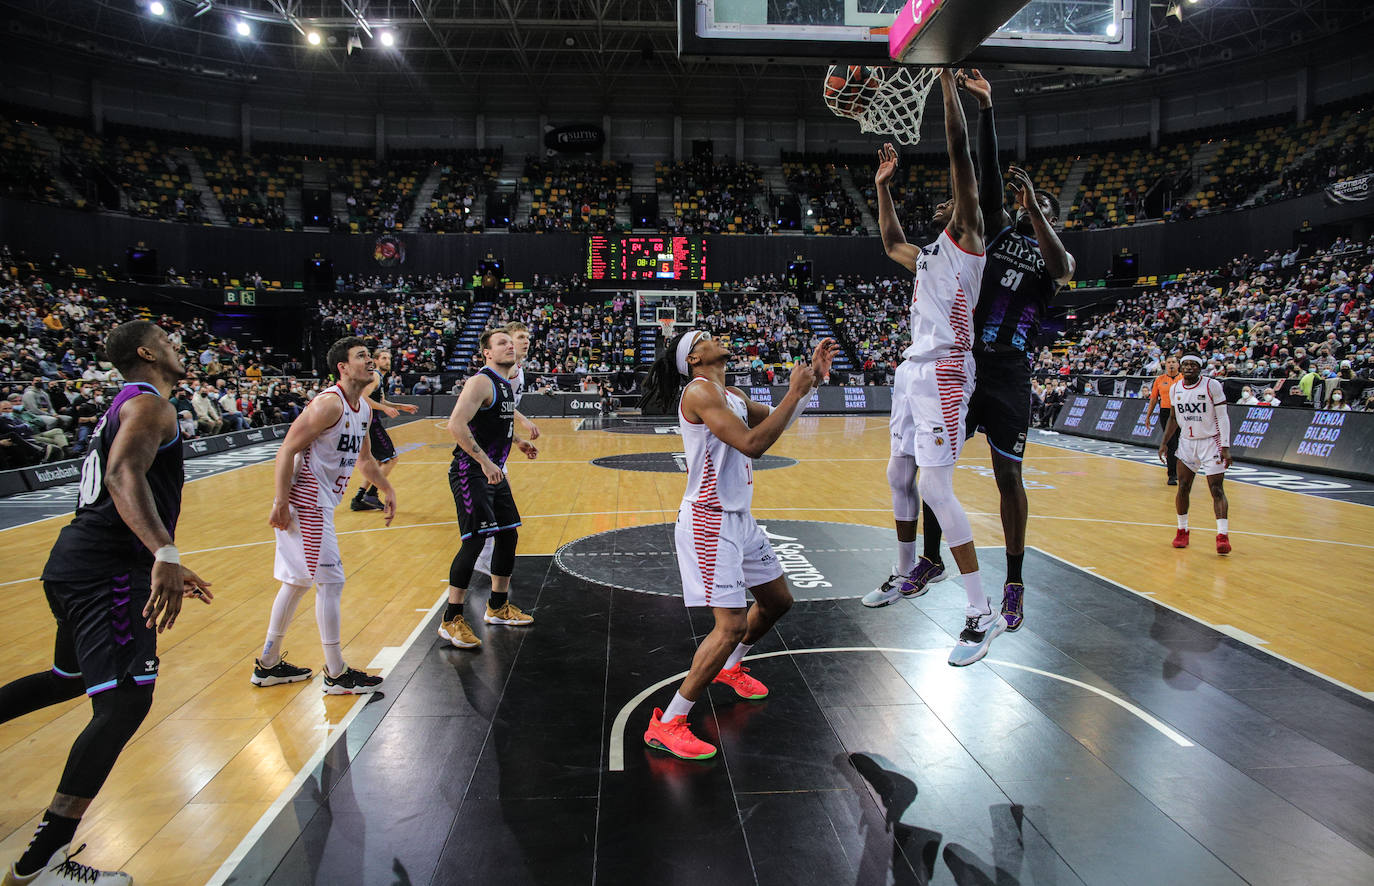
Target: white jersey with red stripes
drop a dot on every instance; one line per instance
(517, 384)
(943, 299)
(719, 476)
(324, 469)
(1195, 408)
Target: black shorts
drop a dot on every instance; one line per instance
(483, 509)
(383, 450)
(1001, 403)
(102, 636)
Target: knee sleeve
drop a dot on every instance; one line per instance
(329, 611)
(901, 478)
(116, 716)
(503, 552)
(28, 694)
(936, 485)
(460, 571)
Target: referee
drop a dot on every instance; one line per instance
(1159, 392)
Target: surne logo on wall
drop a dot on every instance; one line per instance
(574, 139)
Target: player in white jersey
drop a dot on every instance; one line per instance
(934, 382)
(326, 443)
(520, 334)
(721, 551)
(1204, 445)
(383, 450)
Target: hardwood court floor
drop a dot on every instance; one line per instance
(215, 753)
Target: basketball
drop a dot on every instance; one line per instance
(849, 90)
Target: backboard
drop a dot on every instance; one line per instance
(1070, 35)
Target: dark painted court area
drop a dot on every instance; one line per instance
(499, 766)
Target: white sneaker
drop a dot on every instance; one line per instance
(885, 593)
(977, 635)
(63, 869)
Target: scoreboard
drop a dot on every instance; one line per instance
(616, 257)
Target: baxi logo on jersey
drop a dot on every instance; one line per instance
(350, 443)
(1198, 408)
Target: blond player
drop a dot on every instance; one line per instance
(520, 335)
(1204, 445)
(327, 441)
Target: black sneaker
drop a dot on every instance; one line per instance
(364, 502)
(282, 672)
(351, 682)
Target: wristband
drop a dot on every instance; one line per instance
(167, 554)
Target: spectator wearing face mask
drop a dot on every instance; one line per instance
(228, 403)
(206, 411)
(19, 446)
(1337, 401)
(1247, 397)
(1268, 398)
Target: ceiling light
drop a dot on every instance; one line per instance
(242, 28)
(313, 38)
(388, 38)
(156, 8)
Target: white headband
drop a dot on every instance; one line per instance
(684, 347)
(1194, 357)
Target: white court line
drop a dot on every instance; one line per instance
(245, 845)
(617, 749)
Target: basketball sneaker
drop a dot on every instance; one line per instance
(459, 633)
(363, 502)
(63, 868)
(676, 738)
(738, 679)
(1181, 539)
(282, 672)
(1012, 592)
(1223, 543)
(977, 635)
(508, 614)
(899, 585)
(884, 593)
(351, 682)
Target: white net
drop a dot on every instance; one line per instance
(886, 101)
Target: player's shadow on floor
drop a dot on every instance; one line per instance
(1183, 642)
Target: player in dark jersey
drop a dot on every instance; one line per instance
(483, 424)
(383, 450)
(114, 581)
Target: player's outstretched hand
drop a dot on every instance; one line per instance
(823, 356)
(887, 164)
(971, 80)
(193, 585)
(1226, 456)
(164, 603)
(528, 448)
(408, 408)
(280, 518)
(803, 378)
(1164, 452)
(391, 411)
(1020, 182)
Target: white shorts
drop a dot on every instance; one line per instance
(720, 554)
(936, 395)
(308, 552)
(902, 425)
(1201, 456)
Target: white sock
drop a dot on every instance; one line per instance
(737, 656)
(906, 557)
(1222, 523)
(283, 608)
(1182, 521)
(678, 707)
(333, 659)
(978, 603)
(271, 650)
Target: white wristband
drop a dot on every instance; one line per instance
(167, 554)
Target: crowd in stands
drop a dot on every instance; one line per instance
(820, 189)
(378, 194)
(573, 195)
(712, 198)
(572, 338)
(463, 181)
(420, 330)
(251, 188)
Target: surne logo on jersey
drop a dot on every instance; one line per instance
(350, 443)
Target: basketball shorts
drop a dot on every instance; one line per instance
(308, 552)
(483, 508)
(720, 554)
(102, 636)
(383, 450)
(1201, 456)
(901, 425)
(1001, 403)
(937, 394)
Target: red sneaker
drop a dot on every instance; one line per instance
(738, 679)
(676, 738)
(1223, 543)
(1181, 539)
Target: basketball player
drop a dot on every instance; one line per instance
(383, 450)
(325, 444)
(1204, 429)
(1026, 265)
(721, 551)
(483, 424)
(114, 581)
(934, 384)
(1160, 392)
(520, 333)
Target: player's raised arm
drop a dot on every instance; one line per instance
(1059, 264)
(990, 201)
(894, 241)
(966, 222)
(707, 403)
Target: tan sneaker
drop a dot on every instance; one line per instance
(508, 614)
(459, 634)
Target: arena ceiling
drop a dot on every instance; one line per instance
(445, 46)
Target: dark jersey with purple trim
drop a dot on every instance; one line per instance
(1015, 294)
(98, 540)
(493, 426)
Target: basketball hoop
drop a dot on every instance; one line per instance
(667, 325)
(886, 101)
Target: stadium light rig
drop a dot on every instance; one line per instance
(156, 8)
(242, 29)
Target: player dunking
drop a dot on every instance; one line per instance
(114, 581)
(520, 334)
(383, 450)
(721, 551)
(483, 424)
(1204, 447)
(325, 444)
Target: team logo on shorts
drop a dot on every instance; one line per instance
(1020, 446)
(939, 432)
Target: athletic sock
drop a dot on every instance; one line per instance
(497, 600)
(452, 611)
(271, 651)
(906, 557)
(737, 656)
(54, 832)
(372, 491)
(1182, 521)
(333, 659)
(973, 588)
(678, 707)
(1014, 562)
(1222, 524)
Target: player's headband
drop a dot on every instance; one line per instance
(684, 347)
(1194, 357)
